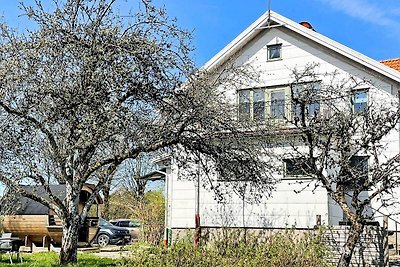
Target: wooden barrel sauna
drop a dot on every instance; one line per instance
(36, 223)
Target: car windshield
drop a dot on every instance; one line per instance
(103, 222)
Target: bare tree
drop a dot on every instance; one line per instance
(128, 177)
(339, 138)
(88, 89)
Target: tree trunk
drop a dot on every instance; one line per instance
(69, 247)
(71, 224)
(356, 230)
(106, 200)
(141, 187)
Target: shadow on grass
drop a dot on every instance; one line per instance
(50, 259)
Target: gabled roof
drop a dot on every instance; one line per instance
(277, 20)
(392, 63)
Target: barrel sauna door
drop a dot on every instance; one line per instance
(83, 233)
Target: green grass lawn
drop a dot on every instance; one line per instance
(50, 259)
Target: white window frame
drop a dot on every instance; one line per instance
(267, 100)
(353, 99)
(269, 54)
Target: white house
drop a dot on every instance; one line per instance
(273, 45)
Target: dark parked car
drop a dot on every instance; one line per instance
(132, 226)
(111, 234)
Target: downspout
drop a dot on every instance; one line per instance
(197, 230)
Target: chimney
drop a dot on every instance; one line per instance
(307, 25)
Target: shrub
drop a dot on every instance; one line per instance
(284, 249)
(148, 209)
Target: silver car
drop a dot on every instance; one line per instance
(132, 226)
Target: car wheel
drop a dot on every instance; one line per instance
(103, 240)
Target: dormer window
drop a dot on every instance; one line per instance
(274, 51)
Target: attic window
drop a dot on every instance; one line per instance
(274, 51)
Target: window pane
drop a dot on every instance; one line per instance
(259, 104)
(305, 99)
(297, 111)
(278, 104)
(124, 224)
(274, 51)
(244, 105)
(313, 109)
(134, 224)
(360, 101)
(258, 95)
(244, 96)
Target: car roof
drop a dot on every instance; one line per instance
(120, 220)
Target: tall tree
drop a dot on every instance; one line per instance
(87, 89)
(339, 135)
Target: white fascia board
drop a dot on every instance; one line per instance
(236, 44)
(255, 28)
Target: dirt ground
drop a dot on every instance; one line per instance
(112, 251)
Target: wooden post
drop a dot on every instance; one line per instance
(318, 220)
(397, 248)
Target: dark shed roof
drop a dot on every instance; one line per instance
(27, 206)
(31, 207)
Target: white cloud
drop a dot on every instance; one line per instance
(366, 11)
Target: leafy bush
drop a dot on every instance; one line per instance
(148, 209)
(284, 249)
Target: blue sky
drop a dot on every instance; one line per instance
(370, 27)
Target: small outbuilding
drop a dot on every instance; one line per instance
(36, 224)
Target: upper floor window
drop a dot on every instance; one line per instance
(261, 103)
(277, 104)
(360, 101)
(244, 105)
(274, 51)
(305, 99)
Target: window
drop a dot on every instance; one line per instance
(274, 51)
(359, 168)
(259, 104)
(298, 167)
(244, 105)
(360, 101)
(134, 224)
(277, 104)
(262, 103)
(305, 99)
(123, 223)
